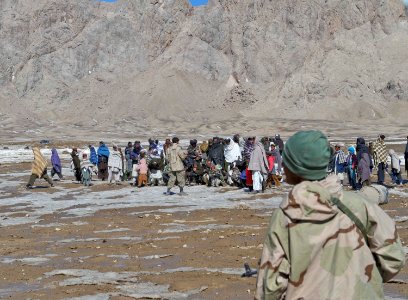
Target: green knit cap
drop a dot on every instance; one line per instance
(307, 154)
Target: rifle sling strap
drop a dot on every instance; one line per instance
(351, 216)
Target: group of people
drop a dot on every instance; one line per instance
(362, 160)
(243, 162)
(235, 161)
(323, 242)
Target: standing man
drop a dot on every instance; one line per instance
(258, 164)
(340, 161)
(380, 158)
(103, 157)
(175, 157)
(406, 157)
(114, 165)
(216, 152)
(76, 164)
(278, 159)
(279, 143)
(129, 163)
(323, 242)
(232, 153)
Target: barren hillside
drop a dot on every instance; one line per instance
(140, 64)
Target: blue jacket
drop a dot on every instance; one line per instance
(103, 151)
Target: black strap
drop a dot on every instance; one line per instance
(351, 215)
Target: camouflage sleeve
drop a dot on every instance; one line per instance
(384, 242)
(274, 268)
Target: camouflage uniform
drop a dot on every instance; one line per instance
(175, 156)
(314, 251)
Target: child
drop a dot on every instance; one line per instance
(142, 169)
(272, 169)
(395, 168)
(87, 169)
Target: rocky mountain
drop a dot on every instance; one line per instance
(87, 63)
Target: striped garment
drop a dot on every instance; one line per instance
(341, 158)
(248, 149)
(39, 164)
(380, 152)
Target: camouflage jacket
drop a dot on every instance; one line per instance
(175, 156)
(314, 251)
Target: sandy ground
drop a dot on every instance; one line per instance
(247, 126)
(116, 242)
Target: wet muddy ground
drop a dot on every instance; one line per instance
(117, 242)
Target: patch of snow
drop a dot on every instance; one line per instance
(92, 297)
(125, 256)
(31, 261)
(112, 230)
(80, 203)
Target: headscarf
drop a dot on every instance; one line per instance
(258, 160)
(307, 154)
(204, 147)
(103, 150)
(232, 152)
(248, 148)
(55, 160)
(39, 164)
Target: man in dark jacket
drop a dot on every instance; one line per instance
(406, 157)
(279, 143)
(77, 164)
(134, 155)
(129, 164)
(216, 152)
(362, 148)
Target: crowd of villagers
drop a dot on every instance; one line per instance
(251, 163)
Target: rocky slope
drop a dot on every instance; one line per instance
(85, 62)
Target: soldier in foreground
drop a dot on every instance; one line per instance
(323, 242)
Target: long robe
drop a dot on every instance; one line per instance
(39, 164)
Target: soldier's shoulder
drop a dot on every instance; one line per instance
(355, 199)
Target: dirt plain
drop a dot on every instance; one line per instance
(141, 251)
